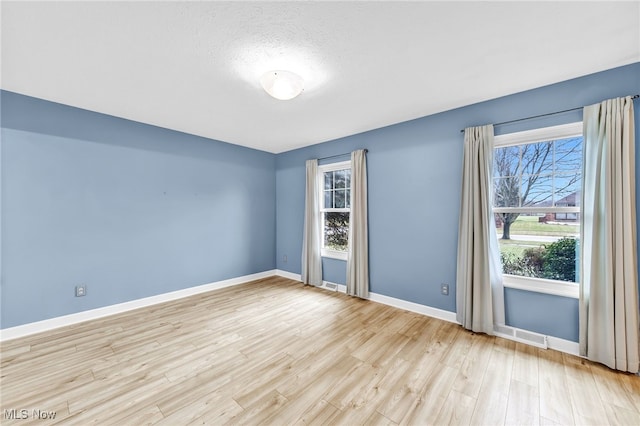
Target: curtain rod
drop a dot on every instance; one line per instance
(545, 115)
(338, 155)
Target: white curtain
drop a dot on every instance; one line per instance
(479, 290)
(311, 244)
(358, 251)
(609, 280)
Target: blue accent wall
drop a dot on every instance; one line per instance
(414, 171)
(128, 209)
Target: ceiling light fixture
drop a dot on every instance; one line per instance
(282, 85)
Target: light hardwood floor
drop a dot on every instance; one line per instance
(276, 352)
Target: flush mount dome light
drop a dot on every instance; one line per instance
(282, 85)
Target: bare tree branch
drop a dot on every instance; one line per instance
(534, 167)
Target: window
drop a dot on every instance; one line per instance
(335, 208)
(537, 178)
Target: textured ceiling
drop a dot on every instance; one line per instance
(195, 66)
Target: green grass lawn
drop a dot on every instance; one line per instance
(518, 247)
(529, 225)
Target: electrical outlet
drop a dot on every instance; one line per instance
(81, 290)
(444, 289)
(284, 258)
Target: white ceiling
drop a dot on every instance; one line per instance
(195, 66)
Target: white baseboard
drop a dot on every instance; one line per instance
(414, 307)
(390, 301)
(562, 345)
(50, 324)
(287, 274)
(555, 343)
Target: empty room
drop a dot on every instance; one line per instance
(319, 212)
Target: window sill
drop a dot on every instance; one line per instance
(334, 254)
(556, 288)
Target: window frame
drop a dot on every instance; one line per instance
(322, 169)
(540, 285)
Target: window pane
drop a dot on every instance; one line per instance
(540, 246)
(506, 192)
(537, 190)
(340, 198)
(568, 155)
(336, 230)
(340, 178)
(505, 161)
(539, 174)
(328, 199)
(328, 180)
(348, 198)
(567, 190)
(537, 158)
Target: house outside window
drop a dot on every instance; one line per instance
(537, 178)
(335, 208)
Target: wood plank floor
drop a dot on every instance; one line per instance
(276, 352)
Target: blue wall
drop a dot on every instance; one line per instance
(414, 171)
(128, 209)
